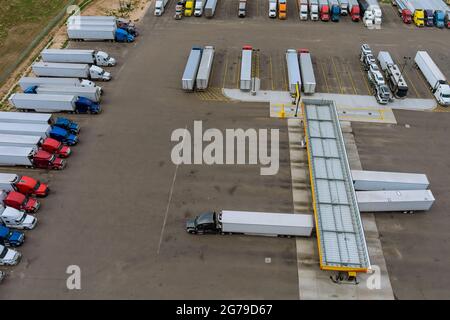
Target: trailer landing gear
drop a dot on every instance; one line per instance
(345, 278)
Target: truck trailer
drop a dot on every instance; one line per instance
(98, 33)
(307, 72)
(53, 103)
(91, 93)
(26, 82)
(400, 200)
(204, 70)
(28, 129)
(70, 70)
(364, 180)
(210, 8)
(23, 184)
(246, 68)
(252, 223)
(99, 58)
(293, 71)
(47, 144)
(191, 69)
(26, 118)
(434, 77)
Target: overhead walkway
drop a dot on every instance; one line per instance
(340, 235)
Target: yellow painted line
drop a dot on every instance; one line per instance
(271, 71)
(324, 76)
(351, 78)
(225, 73)
(337, 76)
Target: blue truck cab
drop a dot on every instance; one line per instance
(67, 124)
(439, 19)
(335, 13)
(63, 136)
(85, 105)
(123, 36)
(429, 17)
(11, 238)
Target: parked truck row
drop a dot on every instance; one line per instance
(300, 71)
(424, 13)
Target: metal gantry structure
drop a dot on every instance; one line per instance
(340, 234)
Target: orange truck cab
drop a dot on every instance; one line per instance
(282, 9)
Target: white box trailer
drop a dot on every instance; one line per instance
(93, 33)
(365, 180)
(16, 156)
(246, 69)
(293, 70)
(204, 70)
(435, 78)
(191, 69)
(75, 18)
(385, 59)
(210, 8)
(27, 82)
(92, 93)
(8, 181)
(99, 58)
(15, 140)
(307, 72)
(43, 102)
(29, 129)
(24, 117)
(70, 70)
(400, 200)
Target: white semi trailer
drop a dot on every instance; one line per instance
(307, 72)
(26, 117)
(252, 223)
(246, 69)
(91, 93)
(400, 200)
(364, 180)
(70, 70)
(293, 70)
(99, 58)
(27, 82)
(204, 70)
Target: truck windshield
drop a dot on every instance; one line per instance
(36, 186)
(22, 218)
(3, 253)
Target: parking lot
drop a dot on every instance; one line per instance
(118, 210)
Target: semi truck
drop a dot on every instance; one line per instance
(191, 69)
(364, 180)
(23, 184)
(417, 9)
(435, 78)
(189, 8)
(8, 257)
(204, 70)
(26, 82)
(160, 6)
(313, 7)
(11, 238)
(47, 144)
(110, 21)
(394, 200)
(29, 129)
(99, 58)
(403, 11)
(198, 8)
(30, 157)
(19, 201)
(70, 70)
(293, 71)
(245, 82)
(354, 10)
(252, 223)
(307, 72)
(179, 9)
(395, 79)
(64, 136)
(91, 93)
(242, 8)
(344, 5)
(324, 10)
(273, 8)
(53, 103)
(335, 10)
(16, 219)
(98, 33)
(282, 9)
(303, 9)
(210, 8)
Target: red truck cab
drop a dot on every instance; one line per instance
(406, 16)
(355, 13)
(54, 146)
(44, 160)
(325, 13)
(30, 186)
(21, 202)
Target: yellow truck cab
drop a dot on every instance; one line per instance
(419, 18)
(189, 8)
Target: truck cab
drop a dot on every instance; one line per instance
(13, 218)
(382, 94)
(324, 13)
(104, 59)
(428, 18)
(282, 9)
(442, 93)
(19, 201)
(45, 160)
(11, 238)
(314, 12)
(438, 18)
(335, 13)
(419, 18)
(242, 9)
(123, 36)
(63, 136)
(30, 186)
(67, 124)
(198, 9)
(204, 223)
(96, 72)
(355, 13)
(304, 11)
(56, 147)
(406, 16)
(9, 257)
(85, 105)
(189, 8)
(272, 9)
